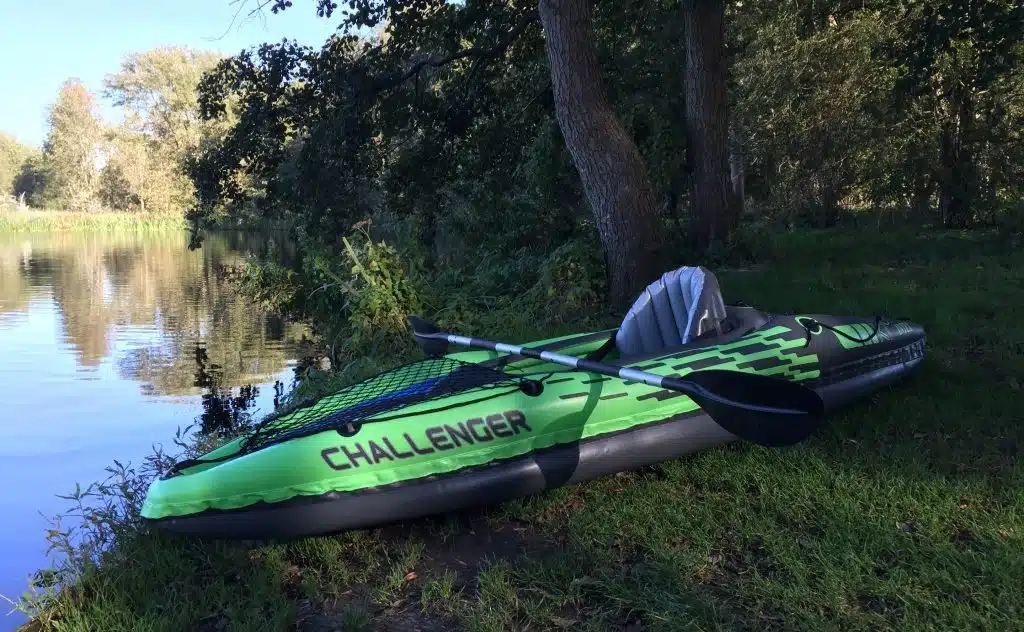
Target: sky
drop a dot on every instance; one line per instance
(44, 43)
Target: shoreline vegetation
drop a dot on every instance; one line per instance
(905, 512)
(36, 220)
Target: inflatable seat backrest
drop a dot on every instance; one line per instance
(681, 306)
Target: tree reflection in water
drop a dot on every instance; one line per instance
(223, 413)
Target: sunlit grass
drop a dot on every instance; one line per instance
(906, 512)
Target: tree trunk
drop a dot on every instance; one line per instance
(614, 176)
(958, 184)
(716, 211)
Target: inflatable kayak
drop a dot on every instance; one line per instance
(478, 427)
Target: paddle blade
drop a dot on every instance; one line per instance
(769, 411)
(428, 336)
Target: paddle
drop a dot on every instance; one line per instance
(769, 411)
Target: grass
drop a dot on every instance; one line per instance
(34, 220)
(906, 512)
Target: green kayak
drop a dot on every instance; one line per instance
(479, 427)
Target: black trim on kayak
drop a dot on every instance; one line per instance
(867, 375)
(499, 481)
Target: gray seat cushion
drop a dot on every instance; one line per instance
(681, 306)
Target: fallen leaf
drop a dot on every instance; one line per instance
(410, 576)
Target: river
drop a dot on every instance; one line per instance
(108, 344)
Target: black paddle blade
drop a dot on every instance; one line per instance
(424, 333)
(769, 411)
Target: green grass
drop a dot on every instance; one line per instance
(906, 512)
(33, 220)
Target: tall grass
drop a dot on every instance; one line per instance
(34, 220)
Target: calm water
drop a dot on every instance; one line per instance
(108, 344)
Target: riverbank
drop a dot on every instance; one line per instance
(906, 512)
(34, 220)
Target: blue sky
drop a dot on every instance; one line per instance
(44, 43)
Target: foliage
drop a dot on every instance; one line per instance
(571, 282)
(13, 157)
(158, 90)
(440, 127)
(71, 152)
(892, 107)
(806, 103)
(358, 302)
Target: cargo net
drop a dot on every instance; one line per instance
(409, 384)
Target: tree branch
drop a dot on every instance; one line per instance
(499, 50)
(482, 55)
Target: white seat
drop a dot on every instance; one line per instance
(681, 306)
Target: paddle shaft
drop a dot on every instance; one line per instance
(625, 373)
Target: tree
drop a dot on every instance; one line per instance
(438, 43)
(13, 156)
(130, 179)
(613, 173)
(159, 89)
(30, 183)
(71, 151)
(962, 56)
(715, 207)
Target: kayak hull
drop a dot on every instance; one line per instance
(542, 470)
(842, 372)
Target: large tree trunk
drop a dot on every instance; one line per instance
(715, 211)
(614, 176)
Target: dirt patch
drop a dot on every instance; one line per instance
(887, 606)
(729, 562)
(354, 614)
(475, 541)
(457, 545)
(410, 618)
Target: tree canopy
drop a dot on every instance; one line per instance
(579, 135)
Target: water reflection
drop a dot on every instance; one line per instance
(223, 413)
(155, 297)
